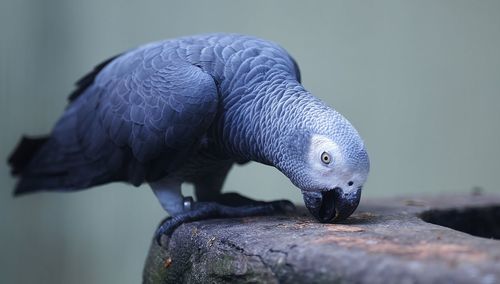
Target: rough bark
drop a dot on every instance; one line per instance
(385, 241)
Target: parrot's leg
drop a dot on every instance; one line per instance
(168, 192)
(207, 210)
(211, 203)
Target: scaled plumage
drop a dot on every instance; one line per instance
(185, 110)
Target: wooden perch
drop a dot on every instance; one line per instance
(385, 241)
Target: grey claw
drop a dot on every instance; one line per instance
(160, 232)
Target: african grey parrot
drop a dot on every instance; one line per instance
(186, 110)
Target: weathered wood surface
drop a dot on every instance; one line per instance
(385, 241)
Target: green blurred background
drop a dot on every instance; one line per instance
(419, 79)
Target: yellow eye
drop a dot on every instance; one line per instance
(325, 158)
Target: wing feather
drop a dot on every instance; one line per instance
(144, 112)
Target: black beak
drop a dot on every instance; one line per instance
(331, 205)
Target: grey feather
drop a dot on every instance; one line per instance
(178, 107)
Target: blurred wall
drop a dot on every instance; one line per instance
(419, 79)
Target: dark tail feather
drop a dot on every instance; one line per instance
(24, 152)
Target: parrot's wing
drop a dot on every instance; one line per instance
(141, 118)
(160, 106)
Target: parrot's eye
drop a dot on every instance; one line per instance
(325, 158)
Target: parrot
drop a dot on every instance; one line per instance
(185, 110)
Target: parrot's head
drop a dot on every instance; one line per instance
(327, 160)
(335, 175)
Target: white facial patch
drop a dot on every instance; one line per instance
(320, 144)
(325, 174)
(336, 172)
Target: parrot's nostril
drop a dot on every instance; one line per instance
(350, 183)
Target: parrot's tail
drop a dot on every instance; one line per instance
(23, 153)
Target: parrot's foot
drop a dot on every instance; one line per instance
(207, 210)
(235, 200)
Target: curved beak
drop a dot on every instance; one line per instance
(331, 205)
